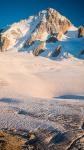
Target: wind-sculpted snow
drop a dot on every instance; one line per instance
(35, 113)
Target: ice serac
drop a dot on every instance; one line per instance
(42, 34)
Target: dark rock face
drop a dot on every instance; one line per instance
(52, 140)
(37, 51)
(82, 126)
(82, 52)
(81, 31)
(52, 39)
(56, 52)
(29, 43)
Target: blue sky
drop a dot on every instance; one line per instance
(15, 10)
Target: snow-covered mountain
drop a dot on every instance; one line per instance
(47, 34)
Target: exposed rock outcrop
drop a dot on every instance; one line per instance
(4, 43)
(56, 22)
(30, 42)
(56, 52)
(53, 22)
(41, 29)
(82, 52)
(52, 39)
(10, 141)
(49, 27)
(81, 31)
(39, 49)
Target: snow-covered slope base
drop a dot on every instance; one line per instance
(24, 75)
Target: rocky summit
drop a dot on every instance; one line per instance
(42, 34)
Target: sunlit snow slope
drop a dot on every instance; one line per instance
(48, 34)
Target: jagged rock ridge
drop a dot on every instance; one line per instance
(42, 34)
